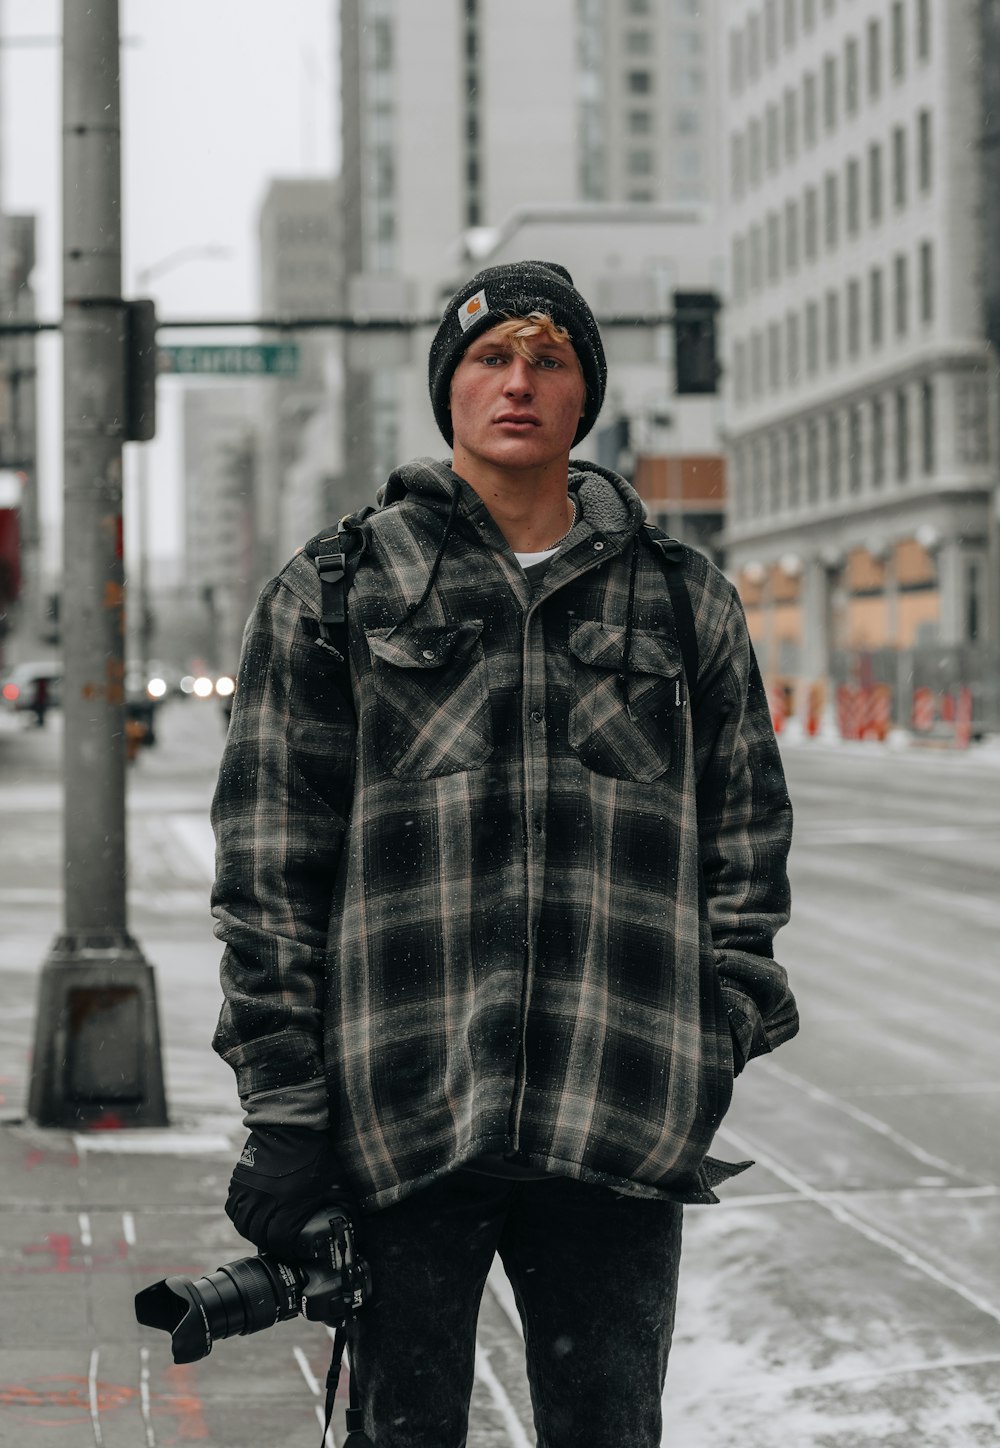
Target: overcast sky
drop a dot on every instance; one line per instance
(218, 96)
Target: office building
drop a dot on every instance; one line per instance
(861, 413)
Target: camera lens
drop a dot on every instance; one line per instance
(241, 1297)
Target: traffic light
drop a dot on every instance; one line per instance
(696, 366)
(141, 358)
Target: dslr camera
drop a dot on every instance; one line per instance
(327, 1283)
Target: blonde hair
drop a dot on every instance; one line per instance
(519, 331)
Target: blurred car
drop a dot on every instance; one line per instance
(30, 686)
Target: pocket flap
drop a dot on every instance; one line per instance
(408, 647)
(603, 647)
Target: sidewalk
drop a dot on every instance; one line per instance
(86, 1220)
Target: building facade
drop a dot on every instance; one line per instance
(861, 405)
(451, 124)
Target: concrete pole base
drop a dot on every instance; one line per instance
(97, 1061)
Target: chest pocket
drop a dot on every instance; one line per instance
(432, 713)
(627, 743)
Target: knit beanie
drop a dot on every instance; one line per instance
(514, 290)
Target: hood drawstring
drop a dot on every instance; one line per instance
(629, 624)
(412, 608)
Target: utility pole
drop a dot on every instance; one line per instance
(97, 1047)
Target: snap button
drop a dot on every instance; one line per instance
(536, 716)
(428, 653)
(598, 546)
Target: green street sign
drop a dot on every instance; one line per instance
(256, 359)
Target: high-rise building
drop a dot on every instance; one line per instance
(860, 406)
(301, 275)
(458, 112)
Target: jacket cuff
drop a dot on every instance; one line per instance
(302, 1105)
(745, 1023)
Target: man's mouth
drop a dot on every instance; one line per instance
(519, 419)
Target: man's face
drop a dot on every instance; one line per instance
(515, 413)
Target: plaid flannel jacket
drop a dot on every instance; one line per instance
(510, 901)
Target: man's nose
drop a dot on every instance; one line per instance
(520, 377)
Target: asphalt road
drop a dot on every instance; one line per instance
(846, 1293)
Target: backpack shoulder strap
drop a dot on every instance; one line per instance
(336, 556)
(674, 556)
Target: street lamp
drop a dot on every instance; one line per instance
(144, 276)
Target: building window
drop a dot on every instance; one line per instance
(853, 318)
(901, 294)
(833, 456)
(771, 31)
(639, 82)
(756, 364)
(639, 7)
(758, 480)
(791, 119)
(771, 139)
(902, 431)
(640, 123)
(791, 235)
(832, 329)
(897, 24)
(739, 270)
(875, 304)
(792, 358)
(874, 59)
(740, 373)
(811, 205)
(812, 462)
(875, 183)
(754, 150)
(830, 92)
(774, 356)
(809, 108)
(756, 259)
(831, 221)
(924, 152)
(899, 167)
(927, 427)
(854, 458)
(776, 478)
(736, 61)
(789, 18)
(812, 338)
(753, 46)
(737, 164)
(808, 16)
(686, 122)
(852, 188)
(793, 452)
(773, 246)
(972, 420)
(878, 442)
(381, 44)
(851, 77)
(923, 29)
(640, 163)
(926, 282)
(638, 42)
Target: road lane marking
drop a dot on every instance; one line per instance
(503, 1404)
(194, 833)
(144, 1402)
(128, 1228)
(151, 1141)
(312, 1382)
(865, 1118)
(95, 1413)
(836, 1209)
(85, 1233)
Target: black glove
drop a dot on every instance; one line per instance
(284, 1175)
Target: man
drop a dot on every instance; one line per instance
(499, 900)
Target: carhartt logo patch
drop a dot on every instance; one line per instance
(475, 307)
(248, 1157)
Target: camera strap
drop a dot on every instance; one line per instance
(356, 1436)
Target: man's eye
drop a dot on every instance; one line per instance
(491, 360)
(549, 363)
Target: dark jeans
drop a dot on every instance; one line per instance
(595, 1278)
